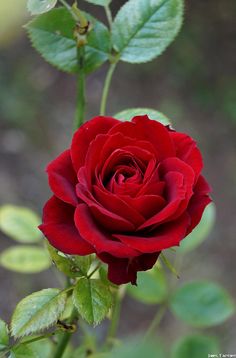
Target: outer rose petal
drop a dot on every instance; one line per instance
(59, 228)
(198, 202)
(62, 178)
(165, 236)
(85, 134)
(141, 127)
(101, 241)
(125, 270)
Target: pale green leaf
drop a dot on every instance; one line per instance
(138, 348)
(71, 266)
(201, 232)
(20, 223)
(23, 351)
(93, 300)
(36, 7)
(52, 36)
(128, 114)
(25, 259)
(43, 348)
(195, 346)
(143, 29)
(151, 287)
(38, 311)
(100, 2)
(4, 338)
(202, 304)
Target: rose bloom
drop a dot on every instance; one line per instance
(125, 191)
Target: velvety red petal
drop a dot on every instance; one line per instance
(62, 178)
(122, 271)
(99, 239)
(143, 128)
(147, 205)
(85, 134)
(162, 238)
(59, 228)
(186, 150)
(198, 202)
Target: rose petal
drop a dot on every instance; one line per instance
(122, 271)
(62, 178)
(147, 205)
(162, 238)
(85, 134)
(59, 228)
(99, 239)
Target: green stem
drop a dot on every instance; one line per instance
(155, 322)
(109, 15)
(114, 318)
(65, 337)
(80, 108)
(106, 88)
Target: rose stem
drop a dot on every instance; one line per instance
(155, 322)
(80, 108)
(106, 88)
(114, 318)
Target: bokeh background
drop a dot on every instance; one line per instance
(193, 83)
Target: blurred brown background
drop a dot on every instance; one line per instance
(193, 82)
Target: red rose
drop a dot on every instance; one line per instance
(125, 191)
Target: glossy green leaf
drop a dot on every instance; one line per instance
(195, 346)
(151, 287)
(23, 351)
(202, 304)
(20, 223)
(4, 338)
(37, 311)
(138, 348)
(201, 232)
(25, 259)
(93, 300)
(128, 114)
(71, 266)
(36, 7)
(100, 2)
(52, 36)
(143, 29)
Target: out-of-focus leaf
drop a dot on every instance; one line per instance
(202, 304)
(143, 29)
(128, 114)
(37, 7)
(43, 348)
(52, 34)
(195, 346)
(151, 287)
(25, 259)
(23, 351)
(201, 232)
(4, 338)
(93, 299)
(20, 223)
(37, 311)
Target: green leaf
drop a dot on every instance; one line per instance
(52, 36)
(100, 2)
(25, 259)
(138, 348)
(195, 346)
(202, 304)
(36, 7)
(4, 338)
(42, 348)
(143, 29)
(20, 223)
(201, 232)
(72, 266)
(92, 299)
(151, 288)
(37, 311)
(128, 114)
(23, 351)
